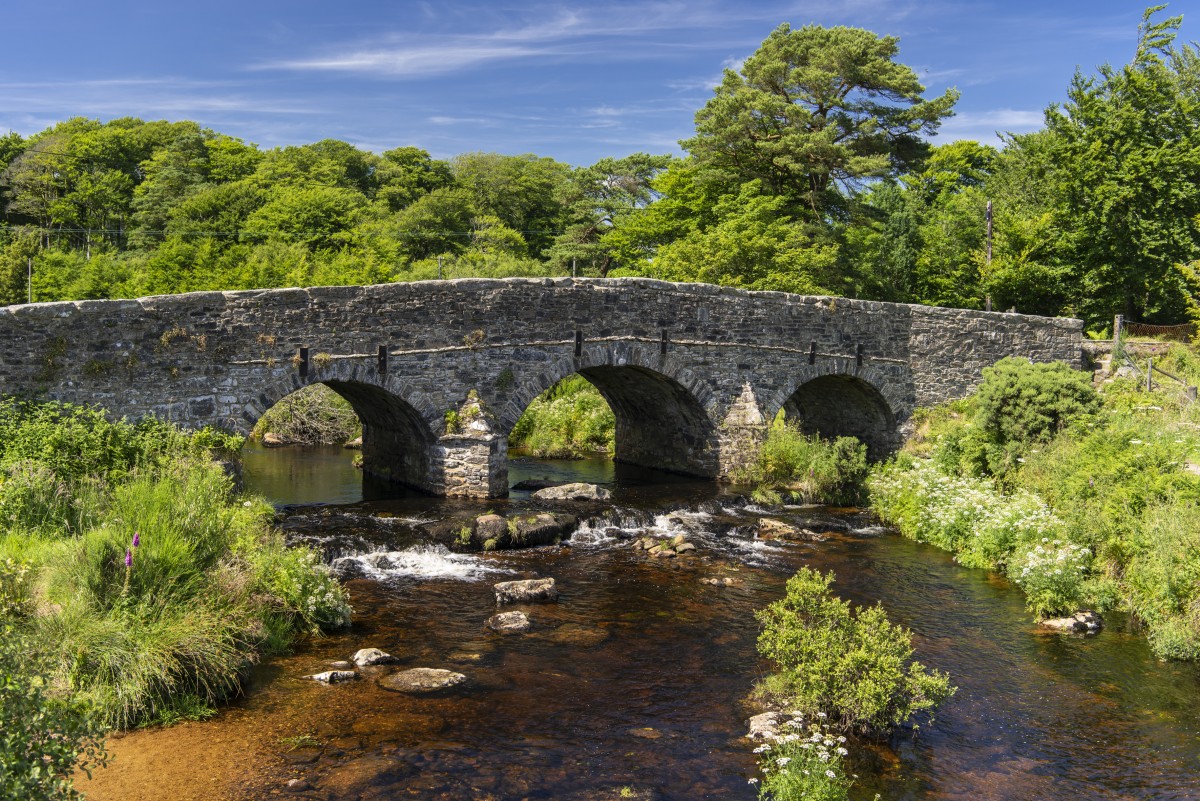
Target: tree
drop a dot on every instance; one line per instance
(815, 112)
(599, 199)
(1126, 156)
(523, 191)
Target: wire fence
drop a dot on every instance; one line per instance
(1184, 332)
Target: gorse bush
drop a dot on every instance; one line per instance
(853, 669)
(805, 467)
(153, 587)
(569, 420)
(1020, 403)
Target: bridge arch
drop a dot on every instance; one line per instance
(840, 399)
(399, 444)
(661, 408)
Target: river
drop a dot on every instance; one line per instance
(634, 684)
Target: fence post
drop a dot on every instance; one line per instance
(1118, 324)
(1150, 374)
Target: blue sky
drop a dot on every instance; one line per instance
(574, 81)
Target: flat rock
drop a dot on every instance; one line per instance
(333, 676)
(420, 681)
(764, 726)
(273, 440)
(573, 492)
(509, 622)
(371, 656)
(1085, 622)
(354, 444)
(526, 591)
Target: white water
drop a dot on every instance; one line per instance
(423, 562)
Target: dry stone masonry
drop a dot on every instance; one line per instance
(440, 371)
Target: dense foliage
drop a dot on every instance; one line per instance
(568, 421)
(1103, 514)
(151, 586)
(312, 415)
(809, 171)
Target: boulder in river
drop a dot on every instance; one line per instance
(573, 492)
(365, 657)
(1085, 622)
(354, 444)
(273, 440)
(509, 622)
(526, 591)
(333, 676)
(422, 681)
(764, 726)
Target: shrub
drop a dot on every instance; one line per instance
(1020, 403)
(807, 468)
(312, 415)
(857, 669)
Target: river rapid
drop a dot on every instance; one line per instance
(634, 684)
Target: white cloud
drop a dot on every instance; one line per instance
(985, 125)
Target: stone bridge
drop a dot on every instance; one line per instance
(440, 371)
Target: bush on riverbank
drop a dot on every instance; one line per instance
(804, 468)
(1103, 514)
(312, 415)
(568, 421)
(152, 587)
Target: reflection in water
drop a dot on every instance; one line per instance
(638, 675)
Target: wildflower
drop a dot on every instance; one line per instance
(841, 739)
(782, 761)
(137, 539)
(128, 558)
(752, 781)
(762, 749)
(831, 774)
(822, 715)
(842, 752)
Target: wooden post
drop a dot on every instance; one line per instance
(1118, 326)
(29, 278)
(989, 237)
(1150, 374)
(572, 268)
(439, 268)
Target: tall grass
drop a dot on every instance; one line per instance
(1102, 515)
(153, 587)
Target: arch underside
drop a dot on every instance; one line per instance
(842, 405)
(397, 443)
(659, 423)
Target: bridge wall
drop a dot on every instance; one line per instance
(692, 371)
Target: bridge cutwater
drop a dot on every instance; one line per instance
(440, 371)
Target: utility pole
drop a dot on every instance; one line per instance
(989, 249)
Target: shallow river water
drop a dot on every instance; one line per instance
(634, 683)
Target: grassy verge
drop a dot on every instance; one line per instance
(148, 588)
(1093, 508)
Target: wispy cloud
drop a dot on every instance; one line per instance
(985, 126)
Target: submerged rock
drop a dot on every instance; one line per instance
(573, 492)
(1085, 622)
(526, 591)
(764, 726)
(333, 676)
(421, 681)
(578, 635)
(509, 622)
(371, 656)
